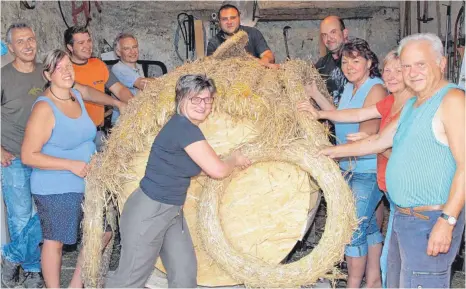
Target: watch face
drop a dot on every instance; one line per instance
(451, 220)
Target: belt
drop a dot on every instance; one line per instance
(415, 211)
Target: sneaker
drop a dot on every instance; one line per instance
(9, 273)
(33, 280)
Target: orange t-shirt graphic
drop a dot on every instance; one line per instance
(94, 74)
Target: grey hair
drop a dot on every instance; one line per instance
(51, 60)
(14, 26)
(391, 55)
(433, 39)
(122, 35)
(191, 85)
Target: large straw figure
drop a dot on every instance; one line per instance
(244, 225)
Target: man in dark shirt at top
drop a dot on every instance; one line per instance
(334, 34)
(229, 22)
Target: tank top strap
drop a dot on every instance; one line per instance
(79, 98)
(438, 97)
(49, 101)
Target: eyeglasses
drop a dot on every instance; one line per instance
(198, 100)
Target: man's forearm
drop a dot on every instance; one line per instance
(456, 198)
(93, 95)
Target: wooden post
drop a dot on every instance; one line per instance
(199, 38)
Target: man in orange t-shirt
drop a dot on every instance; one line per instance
(94, 73)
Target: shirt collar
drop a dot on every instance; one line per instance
(135, 69)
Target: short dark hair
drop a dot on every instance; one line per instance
(70, 32)
(359, 47)
(227, 6)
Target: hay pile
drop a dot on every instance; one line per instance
(247, 91)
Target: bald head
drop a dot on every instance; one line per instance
(333, 32)
(333, 20)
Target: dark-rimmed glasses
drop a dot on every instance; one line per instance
(198, 100)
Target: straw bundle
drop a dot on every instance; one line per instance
(247, 92)
(268, 230)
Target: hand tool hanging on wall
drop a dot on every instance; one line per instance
(459, 39)
(439, 19)
(213, 25)
(407, 20)
(448, 43)
(186, 26)
(425, 18)
(418, 4)
(25, 5)
(285, 37)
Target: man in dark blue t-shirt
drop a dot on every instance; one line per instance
(229, 22)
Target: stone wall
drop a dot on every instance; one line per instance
(154, 23)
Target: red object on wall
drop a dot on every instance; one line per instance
(84, 7)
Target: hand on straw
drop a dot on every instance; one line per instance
(307, 106)
(328, 151)
(121, 106)
(269, 65)
(241, 160)
(311, 89)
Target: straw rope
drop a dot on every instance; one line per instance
(246, 89)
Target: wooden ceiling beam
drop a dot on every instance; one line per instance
(282, 14)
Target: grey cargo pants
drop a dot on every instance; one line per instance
(148, 229)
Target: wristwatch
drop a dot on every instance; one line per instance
(450, 219)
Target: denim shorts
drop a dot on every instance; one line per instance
(367, 196)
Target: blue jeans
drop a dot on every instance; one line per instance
(409, 266)
(99, 142)
(384, 256)
(367, 196)
(23, 222)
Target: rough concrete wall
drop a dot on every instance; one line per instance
(381, 32)
(154, 23)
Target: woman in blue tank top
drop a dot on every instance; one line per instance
(365, 88)
(58, 144)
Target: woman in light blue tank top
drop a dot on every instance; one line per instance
(365, 88)
(58, 144)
